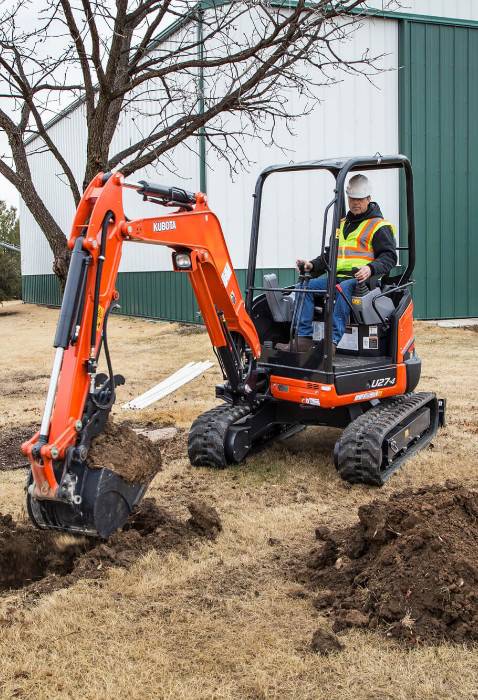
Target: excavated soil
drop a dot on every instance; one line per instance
(10, 442)
(409, 567)
(132, 456)
(27, 555)
(44, 561)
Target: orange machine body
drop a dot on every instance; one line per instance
(326, 396)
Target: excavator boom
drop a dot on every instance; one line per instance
(63, 492)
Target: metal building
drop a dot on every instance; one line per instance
(423, 105)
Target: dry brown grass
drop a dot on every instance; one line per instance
(228, 621)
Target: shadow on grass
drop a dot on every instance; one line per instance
(307, 454)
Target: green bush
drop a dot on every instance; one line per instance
(10, 271)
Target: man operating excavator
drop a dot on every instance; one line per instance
(366, 244)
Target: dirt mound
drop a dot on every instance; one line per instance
(325, 642)
(125, 452)
(409, 567)
(204, 519)
(52, 561)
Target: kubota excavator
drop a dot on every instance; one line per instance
(366, 388)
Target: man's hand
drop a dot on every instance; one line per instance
(306, 263)
(363, 274)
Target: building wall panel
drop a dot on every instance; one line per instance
(439, 98)
(356, 116)
(180, 167)
(454, 9)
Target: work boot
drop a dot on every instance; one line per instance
(301, 344)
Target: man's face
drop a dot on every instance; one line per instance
(358, 206)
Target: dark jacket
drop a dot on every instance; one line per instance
(383, 244)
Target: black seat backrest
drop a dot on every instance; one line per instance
(281, 305)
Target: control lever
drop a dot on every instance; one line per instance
(361, 288)
(304, 279)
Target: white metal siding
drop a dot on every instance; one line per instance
(356, 117)
(453, 9)
(70, 136)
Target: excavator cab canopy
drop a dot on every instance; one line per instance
(339, 168)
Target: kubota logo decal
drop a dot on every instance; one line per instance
(163, 226)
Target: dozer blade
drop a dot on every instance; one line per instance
(104, 501)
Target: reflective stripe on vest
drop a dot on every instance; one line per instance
(356, 250)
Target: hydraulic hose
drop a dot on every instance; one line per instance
(111, 380)
(109, 216)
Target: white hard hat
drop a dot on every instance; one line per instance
(359, 187)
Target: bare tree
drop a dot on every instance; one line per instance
(224, 58)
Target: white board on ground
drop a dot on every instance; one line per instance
(167, 386)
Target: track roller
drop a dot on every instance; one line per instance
(374, 445)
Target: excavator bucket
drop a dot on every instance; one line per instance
(102, 502)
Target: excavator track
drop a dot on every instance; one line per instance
(374, 445)
(207, 442)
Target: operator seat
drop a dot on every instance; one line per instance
(281, 305)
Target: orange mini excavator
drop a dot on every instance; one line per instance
(366, 388)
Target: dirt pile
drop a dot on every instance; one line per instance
(325, 642)
(28, 555)
(204, 519)
(150, 528)
(409, 567)
(132, 456)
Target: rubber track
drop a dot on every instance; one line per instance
(207, 436)
(358, 452)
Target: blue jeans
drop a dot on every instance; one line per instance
(341, 309)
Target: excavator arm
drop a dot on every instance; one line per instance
(63, 492)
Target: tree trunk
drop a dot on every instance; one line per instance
(53, 233)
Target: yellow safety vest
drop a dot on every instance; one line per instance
(356, 250)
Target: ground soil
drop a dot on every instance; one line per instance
(409, 567)
(43, 561)
(27, 555)
(10, 441)
(224, 618)
(119, 448)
